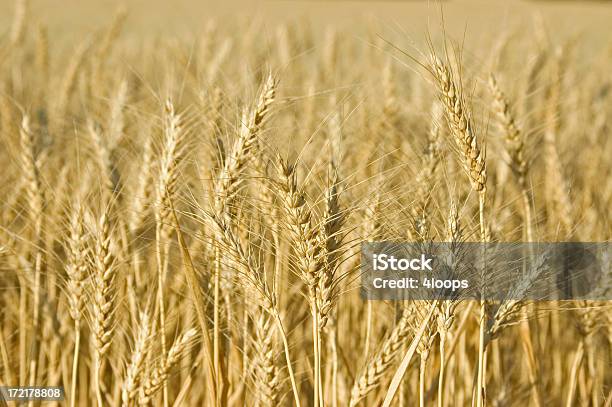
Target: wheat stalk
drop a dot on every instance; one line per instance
(166, 188)
(35, 204)
(308, 249)
(229, 181)
(19, 22)
(474, 163)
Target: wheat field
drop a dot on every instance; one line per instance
(181, 216)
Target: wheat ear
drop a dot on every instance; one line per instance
(68, 83)
(242, 151)
(160, 373)
(77, 274)
(103, 158)
(446, 315)
(142, 193)
(556, 181)
(371, 376)
(266, 373)
(330, 234)
(104, 298)
(134, 371)
(515, 148)
(461, 126)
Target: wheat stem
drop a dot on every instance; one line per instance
(75, 364)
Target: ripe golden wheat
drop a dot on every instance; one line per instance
(180, 225)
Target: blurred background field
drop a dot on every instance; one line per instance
(184, 17)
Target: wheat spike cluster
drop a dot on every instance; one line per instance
(181, 218)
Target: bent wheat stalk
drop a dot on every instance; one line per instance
(401, 370)
(199, 304)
